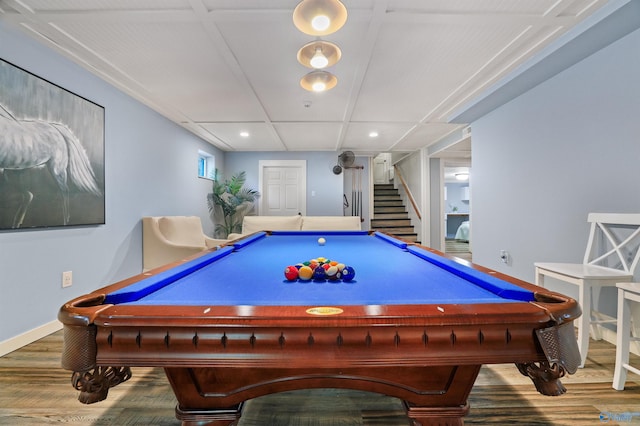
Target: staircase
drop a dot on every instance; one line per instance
(389, 214)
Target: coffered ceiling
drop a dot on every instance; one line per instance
(220, 67)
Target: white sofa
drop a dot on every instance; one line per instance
(251, 224)
(166, 239)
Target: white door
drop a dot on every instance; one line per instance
(381, 169)
(283, 187)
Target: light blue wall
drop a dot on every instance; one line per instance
(546, 159)
(327, 186)
(151, 169)
(454, 198)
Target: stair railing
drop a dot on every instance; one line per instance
(407, 190)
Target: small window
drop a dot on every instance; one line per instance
(206, 165)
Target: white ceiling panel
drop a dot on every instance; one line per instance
(218, 67)
(358, 134)
(309, 136)
(259, 136)
(423, 135)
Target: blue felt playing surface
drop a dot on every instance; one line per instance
(387, 272)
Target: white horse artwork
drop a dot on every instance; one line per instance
(27, 144)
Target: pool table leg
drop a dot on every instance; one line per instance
(211, 417)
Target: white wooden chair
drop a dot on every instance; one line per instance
(612, 255)
(627, 293)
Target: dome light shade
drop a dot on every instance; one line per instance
(319, 17)
(319, 50)
(318, 81)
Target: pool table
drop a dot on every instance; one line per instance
(228, 326)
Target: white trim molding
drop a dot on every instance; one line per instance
(30, 336)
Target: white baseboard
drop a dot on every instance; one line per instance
(30, 336)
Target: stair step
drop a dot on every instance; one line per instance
(383, 192)
(390, 215)
(390, 223)
(396, 230)
(383, 186)
(389, 209)
(386, 203)
(386, 197)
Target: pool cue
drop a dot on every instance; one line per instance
(357, 175)
(355, 190)
(353, 193)
(360, 191)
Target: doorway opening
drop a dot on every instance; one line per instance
(457, 211)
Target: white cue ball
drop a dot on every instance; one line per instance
(321, 241)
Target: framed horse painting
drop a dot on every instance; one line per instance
(51, 154)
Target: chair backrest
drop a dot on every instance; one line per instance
(335, 223)
(251, 224)
(614, 241)
(184, 230)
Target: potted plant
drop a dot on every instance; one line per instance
(229, 202)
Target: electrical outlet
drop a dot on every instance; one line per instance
(67, 279)
(504, 256)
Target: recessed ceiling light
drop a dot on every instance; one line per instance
(373, 134)
(244, 134)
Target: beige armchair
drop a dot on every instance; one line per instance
(166, 239)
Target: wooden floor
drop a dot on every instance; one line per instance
(458, 248)
(34, 390)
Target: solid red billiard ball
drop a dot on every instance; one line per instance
(291, 273)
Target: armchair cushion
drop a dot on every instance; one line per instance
(251, 224)
(336, 223)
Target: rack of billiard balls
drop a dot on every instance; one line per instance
(320, 269)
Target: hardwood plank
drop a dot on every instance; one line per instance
(35, 390)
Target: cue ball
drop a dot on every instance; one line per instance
(321, 241)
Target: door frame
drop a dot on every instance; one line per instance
(299, 164)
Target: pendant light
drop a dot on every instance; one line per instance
(319, 17)
(319, 54)
(318, 81)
